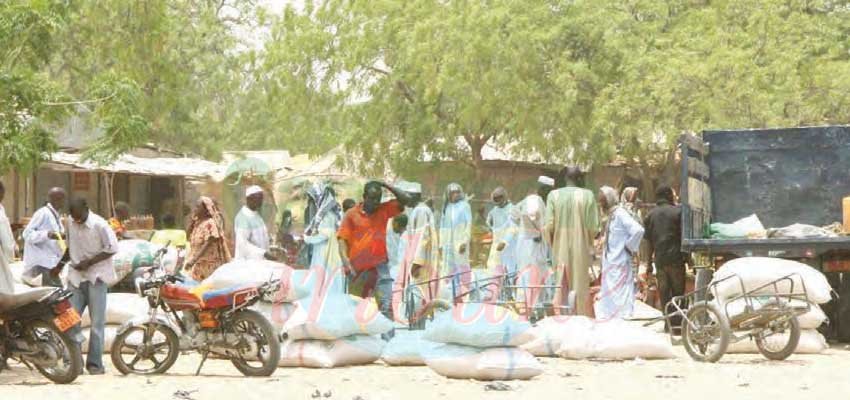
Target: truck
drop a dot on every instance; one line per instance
(784, 176)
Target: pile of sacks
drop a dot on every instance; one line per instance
(758, 271)
(328, 331)
(479, 341)
(579, 338)
(323, 327)
(131, 255)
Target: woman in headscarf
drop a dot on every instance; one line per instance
(623, 234)
(324, 214)
(502, 258)
(455, 235)
(206, 238)
(628, 200)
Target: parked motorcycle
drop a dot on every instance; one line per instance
(221, 324)
(34, 330)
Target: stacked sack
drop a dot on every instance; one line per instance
(322, 326)
(120, 308)
(329, 330)
(480, 341)
(407, 349)
(579, 338)
(131, 255)
(758, 271)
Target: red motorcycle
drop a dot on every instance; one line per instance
(217, 322)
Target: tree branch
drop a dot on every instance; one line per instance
(78, 102)
(378, 70)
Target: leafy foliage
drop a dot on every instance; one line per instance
(400, 82)
(26, 30)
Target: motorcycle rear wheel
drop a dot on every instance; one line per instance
(254, 324)
(69, 362)
(146, 349)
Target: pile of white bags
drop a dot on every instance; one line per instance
(480, 341)
(479, 325)
(256, 273)
(758, 271)
(407, 348)
(484, 364)
(549, 332)
(351, 350)
(579, 338)
(334, 316)
(120, 308)
(328, 331)
(811, 342)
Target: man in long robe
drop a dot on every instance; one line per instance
(502, 257)
(572, 223)
(455, 236)
(532, 252)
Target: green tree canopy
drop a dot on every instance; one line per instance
(568, 80)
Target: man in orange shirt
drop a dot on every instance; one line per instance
(363, 245)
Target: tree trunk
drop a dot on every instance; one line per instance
(476, 145)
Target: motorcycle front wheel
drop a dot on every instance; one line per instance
(148, 349)
(62, 362)
(260, 352)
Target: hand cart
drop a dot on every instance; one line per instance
(769, 317)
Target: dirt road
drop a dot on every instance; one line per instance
(735, 377)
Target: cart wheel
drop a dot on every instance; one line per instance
(705, 333)
(774, 347)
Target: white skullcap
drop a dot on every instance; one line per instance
(410, 187)
(253, 190)
(545, 180)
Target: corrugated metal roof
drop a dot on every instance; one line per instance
(129, 164)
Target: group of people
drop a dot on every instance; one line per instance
(545, 244)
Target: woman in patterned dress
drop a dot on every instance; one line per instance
(206, 236)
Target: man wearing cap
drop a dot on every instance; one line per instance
(572, 223)
(532, 252)
(252, 235)
(362, 241)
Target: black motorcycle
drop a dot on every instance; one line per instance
(34, 330)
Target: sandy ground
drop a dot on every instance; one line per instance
(736, 376)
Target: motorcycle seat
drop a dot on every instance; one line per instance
(11, 301)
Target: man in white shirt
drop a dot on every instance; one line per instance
(92, 243)
(252, 235)
(42, 250)
(7, 248)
